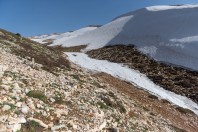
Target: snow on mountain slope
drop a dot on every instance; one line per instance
(132, 76)
(166, 33)
(61, 38)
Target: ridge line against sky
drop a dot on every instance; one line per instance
(33, 17)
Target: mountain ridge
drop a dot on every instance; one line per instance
(166, 33)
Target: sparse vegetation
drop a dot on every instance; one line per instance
(121, 107)
(102, 105)
(18, 34)
(152, 96)
(177, 129)
(31, 126)
(37, 94)
(184, 111)
(70, 49)
(49, 57)
(97, 84)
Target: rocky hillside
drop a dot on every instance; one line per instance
(42, 91)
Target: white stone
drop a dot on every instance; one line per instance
(44, 113)
(5, 87)
(16, 127)
(21, 120)
(38, 105)
(75, 126)
(3, 92)
(11, 120)
(103, 125)
(76, 86)
(99, 114)
(16, 86)
(25, 109)
(60, 112)
(52, 100)
(115, 124)
(56, 127)
(3, 118)
(31, 105)
(18, 104)
(6, 80)
(50, 125)
(39, 122)
(26, 90)
(6, 107)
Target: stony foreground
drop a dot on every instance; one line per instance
(36, 98)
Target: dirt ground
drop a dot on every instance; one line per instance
(183, 120)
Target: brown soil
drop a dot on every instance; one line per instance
(175, 79)
(181, 122)
(70, 49)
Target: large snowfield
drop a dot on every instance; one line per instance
(132, 76)
(59, 39)
(166, 33)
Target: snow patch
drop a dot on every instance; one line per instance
(132, 76)
(163, 7)
(60, 39)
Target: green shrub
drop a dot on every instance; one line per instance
(37, 94)
(18, 34)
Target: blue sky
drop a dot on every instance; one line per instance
(33, 17)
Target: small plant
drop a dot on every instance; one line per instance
(12, 106)
(184, 111)
(152, 96)
(70, 49)
(177, 129)
(31, 126)
(58, 100)
(111, 94)
(37, 94)
(102, 105)
(76, 77)
(23, 99)
(18, 34)
(97, 84)
(107, 101)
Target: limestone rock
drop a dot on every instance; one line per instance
(6, 107)
(41, 123)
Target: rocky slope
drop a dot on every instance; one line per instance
(41, 91)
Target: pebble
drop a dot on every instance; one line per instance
(103, 125)
(24, 109)
(52, 100)
(6, 107)
(6, 87)
(18, 104)
(16, 127)
(41, 123)
(56, 127)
